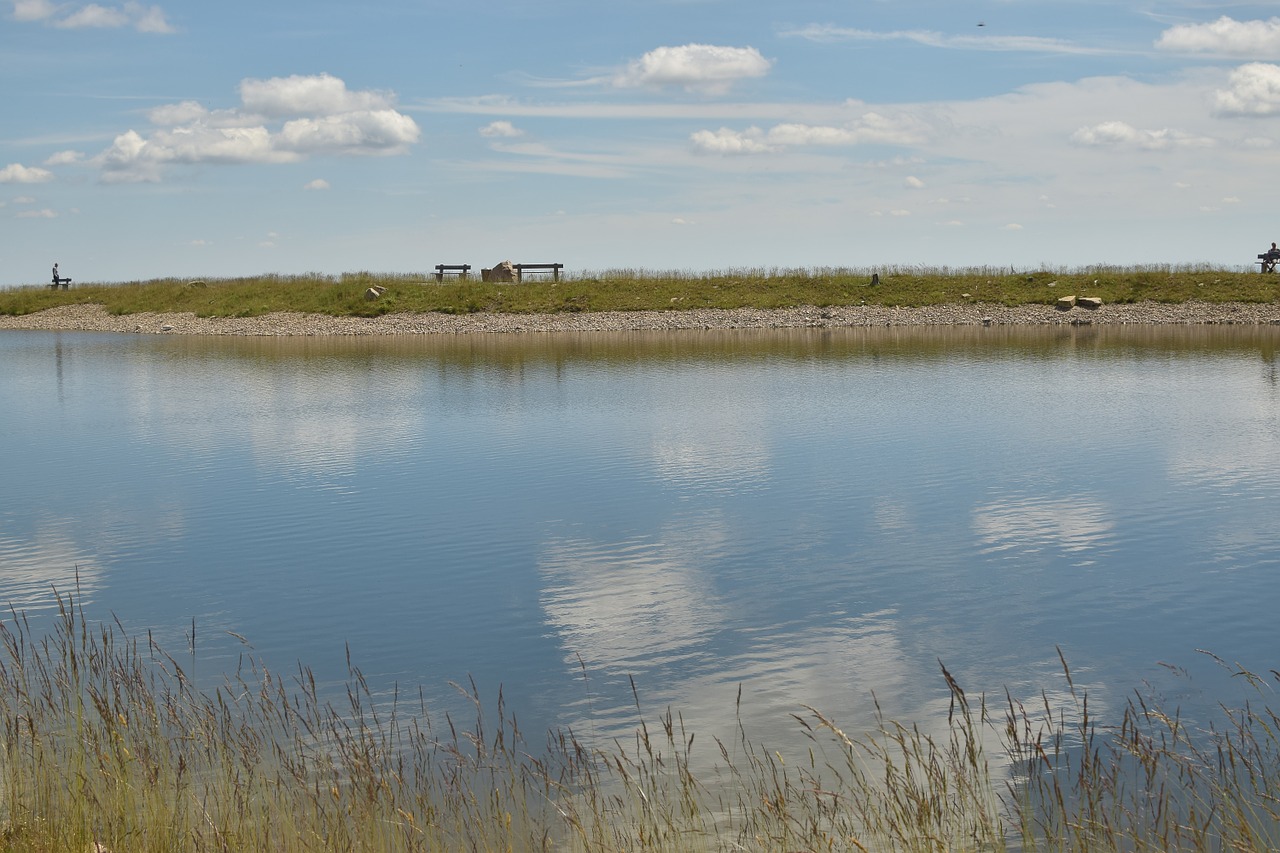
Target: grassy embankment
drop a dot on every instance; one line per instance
(108, 746)
(633, 290)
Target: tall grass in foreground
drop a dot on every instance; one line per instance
(108, 745)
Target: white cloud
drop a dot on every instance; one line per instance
(501, 129)
(193, 112)
(929, 38)
(1119, 134)
(128, 160)
(16, 173)
(371, 132)
(886, 130)
(175, 114)
(150, 19)
(871, 127)
(317, 95)
(318, 116)
(33, 10)
(94, 16)
(1012, 226)
(1253, 90)
(1225, 37)
(913, 183)
(64, 158)
(806, 134)
(144, 19)
(317, 184)
(695, 67)
(45, 213)
(132, 158)
(726, 141)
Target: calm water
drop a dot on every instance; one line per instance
(810, 516)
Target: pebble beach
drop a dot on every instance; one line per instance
(94, 318)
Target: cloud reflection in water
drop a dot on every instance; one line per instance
(1029, 525)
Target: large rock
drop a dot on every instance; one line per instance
(1090, 302)
(503, 271)
(1066, 303)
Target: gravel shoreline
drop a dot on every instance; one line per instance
(94, 318)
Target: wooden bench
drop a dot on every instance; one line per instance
(460, 269)
(64, 283)
(1268, 262)
(554, 268)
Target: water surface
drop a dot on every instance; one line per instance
(808, 516)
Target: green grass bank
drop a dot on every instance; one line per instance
(109, 746)
(636, 290)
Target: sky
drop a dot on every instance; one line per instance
(204, 140)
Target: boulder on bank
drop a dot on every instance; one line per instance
(1090, 302)
(502, 271)
(1066, 303)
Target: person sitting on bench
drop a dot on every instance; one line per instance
(1269, 258)
(59, 280)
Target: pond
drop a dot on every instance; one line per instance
(727, 524)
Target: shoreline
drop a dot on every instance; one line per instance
(94, 318)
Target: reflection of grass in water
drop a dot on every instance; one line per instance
(106, 742)
(633, 290)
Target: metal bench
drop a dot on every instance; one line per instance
(460, 270)
(553, 268)
(64, 283)
(1268, 261)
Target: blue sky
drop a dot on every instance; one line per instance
(236, 138)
